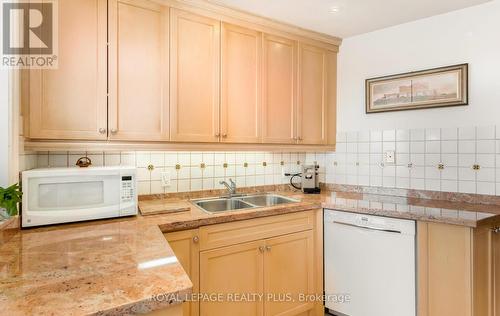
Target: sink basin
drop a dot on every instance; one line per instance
(267, 200)
(222, 205)
(241, 202)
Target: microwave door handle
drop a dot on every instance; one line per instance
(368, 227)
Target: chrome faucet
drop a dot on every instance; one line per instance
(231, 189)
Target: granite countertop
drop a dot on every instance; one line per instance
(116, 267)
(441, 211)
(112, 268)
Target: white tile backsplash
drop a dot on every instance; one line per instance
(467, 133)
(375, 136)
(485, 132)
(485, 147)
(432, 134)
(389, 136)
(431, 159)
(402, 135)
(449, 133)
(198, 170)
(358, 160)
(466, 147)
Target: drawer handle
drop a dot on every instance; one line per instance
(369, 228)
(196, 239)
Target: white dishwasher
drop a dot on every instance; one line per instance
(370, 263)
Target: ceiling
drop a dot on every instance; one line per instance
(345, 18)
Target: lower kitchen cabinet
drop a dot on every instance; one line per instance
(444, 270)
(230, 270)
(176, 310)
(273, 258)
(486, 286)
(289, 269)
(185, 245)
(459, 269)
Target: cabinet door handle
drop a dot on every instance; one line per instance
(102, 130)
(261, 249)
(268, 248)
(114, 131)
(300, 138)
(217, 135)
(496, 230)
(224, 135)
(196, 239)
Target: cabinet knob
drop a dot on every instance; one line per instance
(224, 135)
(114, 131)
(268, 248)
(300, 138)
(196, 239)
(102, 130)
(496, 230)
(217, 135)
(261, 249)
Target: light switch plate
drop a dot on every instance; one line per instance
(165, 179)
(390, 157)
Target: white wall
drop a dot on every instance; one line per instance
(466, 36)
(4, 128)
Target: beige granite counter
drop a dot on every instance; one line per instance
(95, 268)
(116, 267)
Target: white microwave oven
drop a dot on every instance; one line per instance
(63, 195)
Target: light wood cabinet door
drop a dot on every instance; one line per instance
(331, 94)
(279, 89)
(138, 71)
(496, 273)
(241, 84)
(312, 95)
(185, 245)
(194, 77)
(70, 102)
(289, 268)
(235, 269)
(444, 270)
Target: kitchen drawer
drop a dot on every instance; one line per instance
(221, 235)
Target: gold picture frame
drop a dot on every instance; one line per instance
(431, 88)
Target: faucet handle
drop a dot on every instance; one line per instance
(232, 182)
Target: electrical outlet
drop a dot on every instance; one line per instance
(390, 157)
(165, 179)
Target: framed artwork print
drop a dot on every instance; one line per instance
(438, 87)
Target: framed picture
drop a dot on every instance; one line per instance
(438, 87)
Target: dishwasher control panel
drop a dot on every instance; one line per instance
(380, 223)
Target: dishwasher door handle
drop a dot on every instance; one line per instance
(368, 227)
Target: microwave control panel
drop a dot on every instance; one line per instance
(127, 189)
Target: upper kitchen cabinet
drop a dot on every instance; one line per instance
(331, 96)
(138, 71)
(194, 77)
(241, 84)
(70, 102)
(312, 96)
(279, 78)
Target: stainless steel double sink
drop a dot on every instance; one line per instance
(224, 204)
